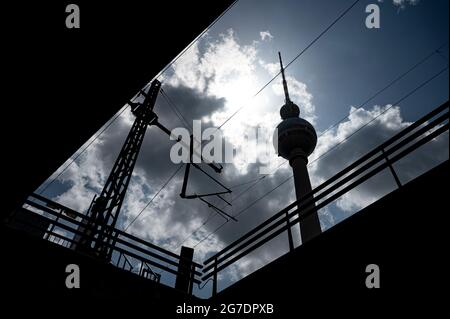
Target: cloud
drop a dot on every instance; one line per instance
(84, 179)
(211, 81)
(226, 69)
(403, 3)
(200, 83)
(381, 129)
(265, 35)
(223, 69)
(298, 91)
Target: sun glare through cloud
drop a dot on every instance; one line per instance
(218, 81)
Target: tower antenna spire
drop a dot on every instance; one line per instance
(286, 92)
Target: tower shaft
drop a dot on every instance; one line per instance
(309, 226)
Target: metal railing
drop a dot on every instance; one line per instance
(129, 248)
(369, 165)
(126, 262)
(147, 272)
(126, 246)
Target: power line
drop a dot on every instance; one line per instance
(120, 113)
(248, 182)
(180, 116)
(196, 39)
(441, 54)
(154, 196)
(401, 76)
(175, 109)
(183, 119)
(83, 150)
(210, 216)
(331, 149)
(267, 84)
(358, 130)
(293, 60)
(209, 235)
(390, 84)
(197, 229)
(395, 80)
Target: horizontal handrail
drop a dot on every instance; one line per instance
(89, 218)
(109, 245)
(308, 201)
(304, 206)
(125, 262)
(56, 235)
(148, 270)
(118, 240)
(311, 210)
(358, 162)
(367, 166)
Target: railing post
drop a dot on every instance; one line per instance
(184, 269)
(114, 236)
(141, 268)
(289, 231)
(391, 168)
(214, 287)
(52, 227)
(118, 260)
(191, 283)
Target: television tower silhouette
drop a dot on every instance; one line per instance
(296, 140)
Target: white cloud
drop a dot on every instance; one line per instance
(224, 69)
(298, 92)
(186, 71)
(265, 35)
(227, 69)
(403, 3)
(382, 128)
(212, 81)
(83, 176)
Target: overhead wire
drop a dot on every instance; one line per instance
(254, 182)
(360, 128)
(204, 32)
(329, 150)
(175, 109)
(389, 85)
(126, 106)
(294, 59)
(183, 119)
(73, 159)
(154, 196)
(339, 17)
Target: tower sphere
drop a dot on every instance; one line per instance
(296, 136)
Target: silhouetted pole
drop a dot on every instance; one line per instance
(183, 281)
